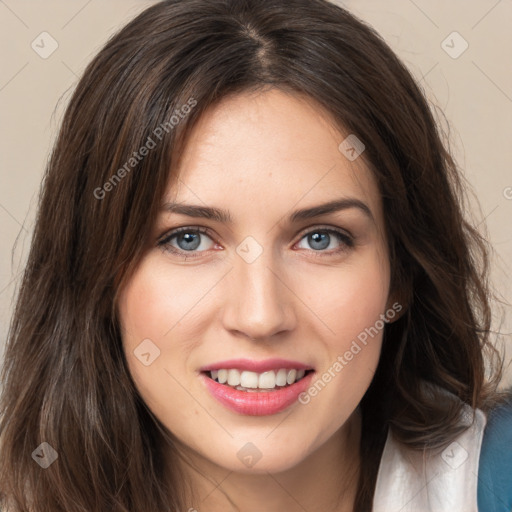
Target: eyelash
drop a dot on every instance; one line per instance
(346, 239)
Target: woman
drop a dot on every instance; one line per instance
(250, 272)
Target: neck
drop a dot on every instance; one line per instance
(324, 481)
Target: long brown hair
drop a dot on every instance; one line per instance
(66, 381)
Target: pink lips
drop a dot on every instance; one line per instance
(256, 403)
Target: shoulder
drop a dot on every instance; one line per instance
(495, 467)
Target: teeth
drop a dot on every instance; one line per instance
(281, 377)
(267, 380)
(233, 378)
(247, 381)
(222, 376)
(290, 379)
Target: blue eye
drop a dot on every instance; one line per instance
(320, 239)
(189, 240)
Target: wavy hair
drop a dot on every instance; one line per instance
(66, 381)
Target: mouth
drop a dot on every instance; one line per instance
(257, 388)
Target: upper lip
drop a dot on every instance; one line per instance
(264, 365)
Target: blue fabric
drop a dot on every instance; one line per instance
(495, 468)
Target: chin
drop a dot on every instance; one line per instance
(260, 456)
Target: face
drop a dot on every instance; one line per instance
(288, 307)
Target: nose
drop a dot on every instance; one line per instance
(259, 302)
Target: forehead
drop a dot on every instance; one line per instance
(265, 149)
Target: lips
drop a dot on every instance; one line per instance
(256, 388)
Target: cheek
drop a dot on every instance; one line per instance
(162, 305)
(350, 308)
(352, 299)
(159, 312)
(152, 303)
(150, 310)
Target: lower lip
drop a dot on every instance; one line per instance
(258, 403)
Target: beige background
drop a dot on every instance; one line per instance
(474, 91)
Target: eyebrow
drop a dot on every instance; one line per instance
(220, 215)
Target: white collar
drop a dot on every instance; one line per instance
(432, 480)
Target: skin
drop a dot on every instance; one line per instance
(261, 156)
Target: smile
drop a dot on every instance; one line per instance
(239, 386)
